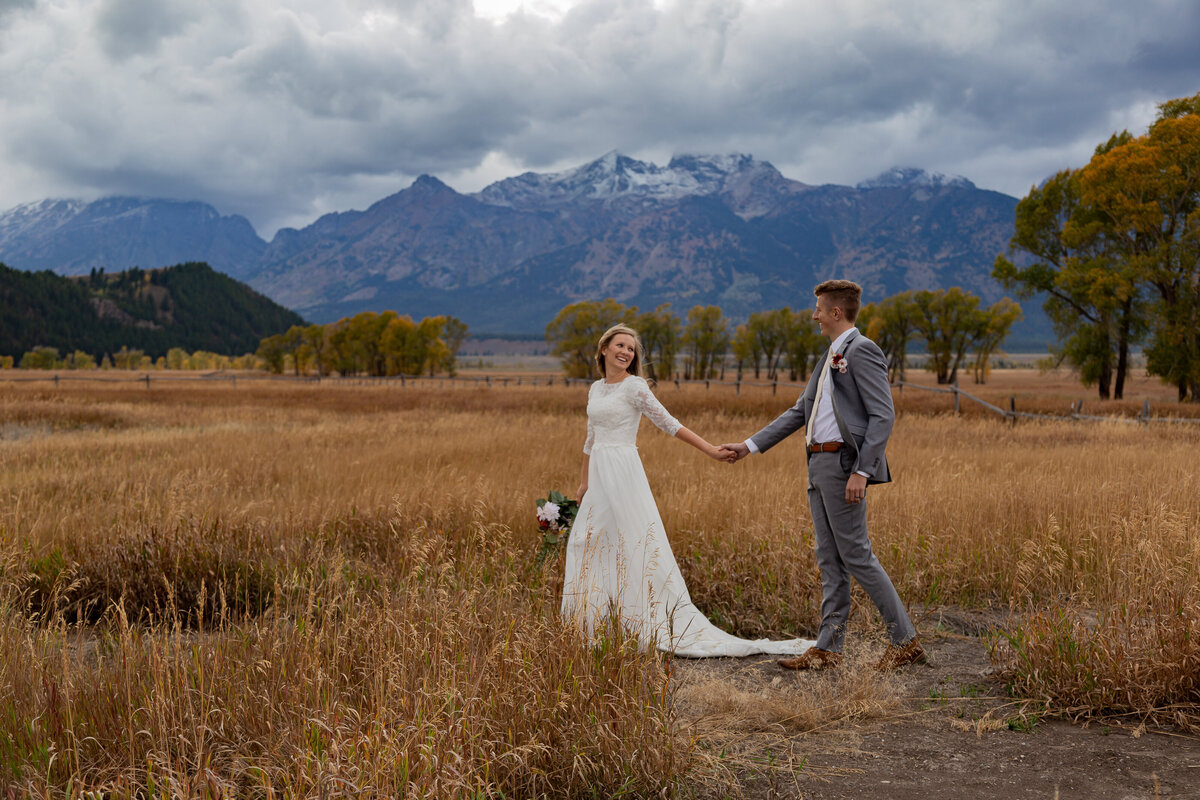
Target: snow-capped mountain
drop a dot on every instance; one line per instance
(914, 176)
(73, 236)
(726, 229)
(618, 180)
(27, 219)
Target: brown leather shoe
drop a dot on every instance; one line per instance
(897, 655)
(813, 658)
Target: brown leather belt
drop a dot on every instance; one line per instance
(824, 447)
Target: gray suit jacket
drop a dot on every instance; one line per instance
(862, 405)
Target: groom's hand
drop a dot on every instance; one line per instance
(856, 488)
(737, 451)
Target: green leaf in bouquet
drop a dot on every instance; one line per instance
(553, 541)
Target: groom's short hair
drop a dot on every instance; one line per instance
(846, 295)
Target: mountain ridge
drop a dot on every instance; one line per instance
(62, 235)
(725, 229)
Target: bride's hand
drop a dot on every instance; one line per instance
(582, 490)
(718, 453)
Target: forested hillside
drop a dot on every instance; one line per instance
(189, 305)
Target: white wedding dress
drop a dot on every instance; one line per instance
(618, 558)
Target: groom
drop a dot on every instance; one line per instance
(846, 411)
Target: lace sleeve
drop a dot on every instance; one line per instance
(645, 402)
(590, 440)
(591, 432)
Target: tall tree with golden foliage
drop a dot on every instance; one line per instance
(891, 323)
(1146, 194)
(574, 331)
(1115, 247)
(662, 334)
(705, 339)
(953, 324)
(1092, 296)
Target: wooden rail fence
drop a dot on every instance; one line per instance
(1013, 415)
(149, 378)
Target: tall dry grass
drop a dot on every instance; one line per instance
(243, 560)
(393, 659)
(281, 598)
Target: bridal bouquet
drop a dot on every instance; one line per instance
(555, 515)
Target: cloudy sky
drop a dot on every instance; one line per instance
(282, 110)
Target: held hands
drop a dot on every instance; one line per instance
(734, 452)
(704, 446)
(721, 453)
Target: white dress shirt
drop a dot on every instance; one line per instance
(824, 423)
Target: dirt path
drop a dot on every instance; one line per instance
(925, 740)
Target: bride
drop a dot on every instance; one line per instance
(618, 560)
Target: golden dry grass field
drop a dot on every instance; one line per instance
(285, 590)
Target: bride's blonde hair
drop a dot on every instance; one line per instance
(635, 366)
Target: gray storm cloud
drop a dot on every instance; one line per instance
(284, 110)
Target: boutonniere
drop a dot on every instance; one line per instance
(839, 362)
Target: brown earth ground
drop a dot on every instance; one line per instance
(949, 731)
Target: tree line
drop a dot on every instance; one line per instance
(129, 358)
(369, 343)
(1114, 248)
(954, 326)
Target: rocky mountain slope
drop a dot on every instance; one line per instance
(71, 237)
(727, 229)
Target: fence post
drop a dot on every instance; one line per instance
(1012, 408)
(56, 380)
(1146, 411)
(147, 380)
(677, 384)
(739, 387)
(954, 388)
(706, 384)
(774, 386)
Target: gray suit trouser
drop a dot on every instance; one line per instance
(844, 551)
